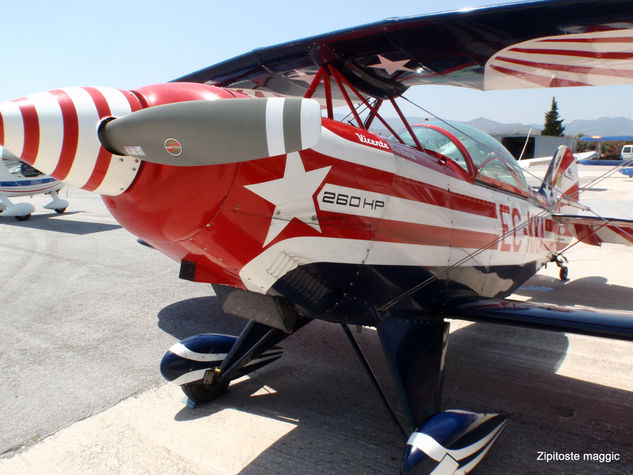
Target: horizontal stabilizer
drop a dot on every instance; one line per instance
(601, 222)
(585, 321)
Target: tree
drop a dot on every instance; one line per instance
(553, 125)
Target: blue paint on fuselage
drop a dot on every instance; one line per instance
(40, 181)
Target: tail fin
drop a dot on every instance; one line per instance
(561, 180)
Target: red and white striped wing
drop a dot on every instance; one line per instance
(585, 59)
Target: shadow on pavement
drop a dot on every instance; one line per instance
(592, 291)
(198, 315)
(341, 426)
(59, 223)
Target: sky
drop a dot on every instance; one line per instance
(128, 44)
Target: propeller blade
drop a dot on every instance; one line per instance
(196, 133)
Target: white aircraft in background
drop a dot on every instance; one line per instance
(20, 179)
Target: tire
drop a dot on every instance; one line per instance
(60, 210)
(563, 273)
(23, 218)
(201, 393)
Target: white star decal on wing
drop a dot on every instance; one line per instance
(390, 66)
(291, 195)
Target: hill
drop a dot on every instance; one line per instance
(600, 126)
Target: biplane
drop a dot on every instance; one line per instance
(244, 175)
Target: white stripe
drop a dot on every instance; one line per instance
(560, 60)
(88, 144)
(190, 377)
(448, 466)
(261, 273)
(465, 452)
(470, 465)
(122, 170)
(572, 47)
(590, 78)
(310, 123)
(436, 451)
(51, 124)
(428, 445)
(13, 127)
(408, 211)
(275, 126)
(184, 352)
(335, 146)
(584, 45)
(498, 80)
(609, 236)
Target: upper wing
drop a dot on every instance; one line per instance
(586, 321)
(530, 44)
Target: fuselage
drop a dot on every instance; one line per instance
(336, 229)
(344, 226)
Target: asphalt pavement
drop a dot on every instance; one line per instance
(87, 313)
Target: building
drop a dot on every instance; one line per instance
(537, 145)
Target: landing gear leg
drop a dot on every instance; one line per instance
(58, 204)
(449, 441)
(204, 365)
(560, 261)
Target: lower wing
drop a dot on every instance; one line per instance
(585, 321)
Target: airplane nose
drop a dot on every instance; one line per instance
(56, 132)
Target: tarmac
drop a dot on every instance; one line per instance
(87, 313)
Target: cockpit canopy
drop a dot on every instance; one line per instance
(474, 151)
(20, 169)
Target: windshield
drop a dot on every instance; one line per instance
(493, 163)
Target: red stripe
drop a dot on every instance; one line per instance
(426, 193)
(622, 233)
(566, 161)
(71, 134)
(575, 53)
(427, 235)
(31, 130)
(569, 68)
(132, 100)
(617, 39)
(543, 81)
(104, 158)
(573, 192)
(587, 234)
(376, 229)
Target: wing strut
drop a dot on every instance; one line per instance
(327, 71)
